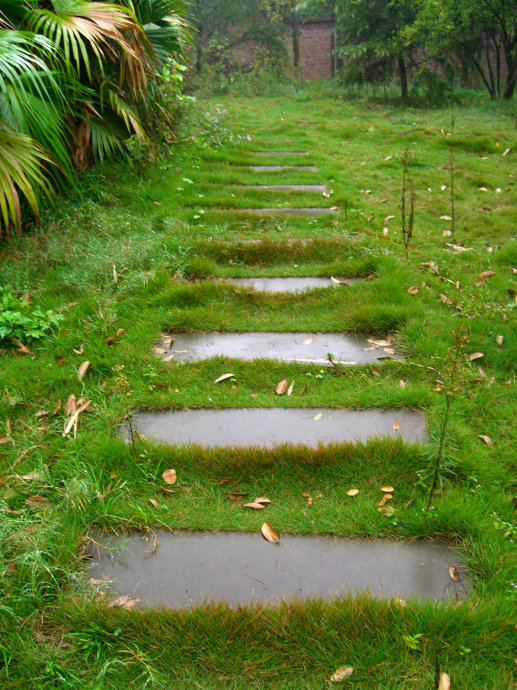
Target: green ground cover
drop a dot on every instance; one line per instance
(143, 253)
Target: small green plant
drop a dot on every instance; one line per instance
(413, 641)
(19, 320)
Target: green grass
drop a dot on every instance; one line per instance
(166, 261)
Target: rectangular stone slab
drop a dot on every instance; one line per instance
(287, 284)
(190, 568)
(287, 187)
(309, 212)
(268, 427)
(276, 168)
(280, 153)
(287, 347)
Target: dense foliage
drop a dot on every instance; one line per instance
(77, 79)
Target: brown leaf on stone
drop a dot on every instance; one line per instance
(308, 341)
(476, 355)
(282, 386)
(352, 492)
(83, 368)
(122, 602)
(486, 439)
(334, 280)
(37, 501)
(341, 673)
(60, 360)
(153, 502)
(224, 377)
(395, 425)
(170, 476)
(70, 405)
(445, 682)
(413, 290)
(453, 573)
(270, 533)
(253, 505)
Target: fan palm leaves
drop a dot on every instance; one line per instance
(75, 77)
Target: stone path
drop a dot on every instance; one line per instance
(189, 568)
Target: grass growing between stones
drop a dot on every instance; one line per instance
(145, 256)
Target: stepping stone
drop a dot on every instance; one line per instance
(288, 347)
(280, 153)
(309, 212)
(192, 568)
(272, 426)
(287, 187)
(287, 284)
(276, 168)
(277, 141)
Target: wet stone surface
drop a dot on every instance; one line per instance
(183, 569)
(276, 168)
(309, 212)
(287, 187)
(288, 347)
(280, 153)
(287, 284)
(268, 427)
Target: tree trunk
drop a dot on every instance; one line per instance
(403, 78)
(296, 40)
(511, 79)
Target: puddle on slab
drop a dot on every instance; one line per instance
(288, 347)
(182, 569)
(287, 187)
(288, 284)
(306, 212)
(268, 427)
(276, 168)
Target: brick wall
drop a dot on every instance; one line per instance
(316, 47)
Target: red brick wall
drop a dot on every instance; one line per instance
(316, 48)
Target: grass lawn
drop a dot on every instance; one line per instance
(144, 253)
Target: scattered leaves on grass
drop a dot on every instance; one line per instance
(352, 492)
(37, 501)
(486, 439)
(476, 355)
(341, 673)
(60, 360)
(453, 573)
(83, 368)
(282, 386)
(70, 405)
(270, 533)
(224, 377)
(170, 476)
(445, 682)
(413, 290)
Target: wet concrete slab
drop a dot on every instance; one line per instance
(288, 284)
(184, 569)
(276, 168)
(308, 212)
(280, 153)
(287, 187)
(268, 427)
(288, 347)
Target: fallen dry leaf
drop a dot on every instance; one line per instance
(270, 533)
(79, 350)
(445, 682)
(60, 360)
(83, 368)
(120, 331)
(507, 151)
(170, 476)
(446, 233)
(375, 371)
(335, 280)
(224, 377)
(38, 501)
(445, 217)
(486, 439)
(381, 343)
(4, 438)
(341, 673)
(282, 386)
(112, 339)
(153, 502)
(413, 290)
(308, 341)
(453, 572)
(402, 384)
(290, 389)
(262, 499)
(445, 299)
(41, 413)
(352, 492)
(486, 274)
(56, 409)
(70, 405)
(395, 425)
(253, 505)
(122, 602)
(499, 340)
(387, 489)
(475, 355)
